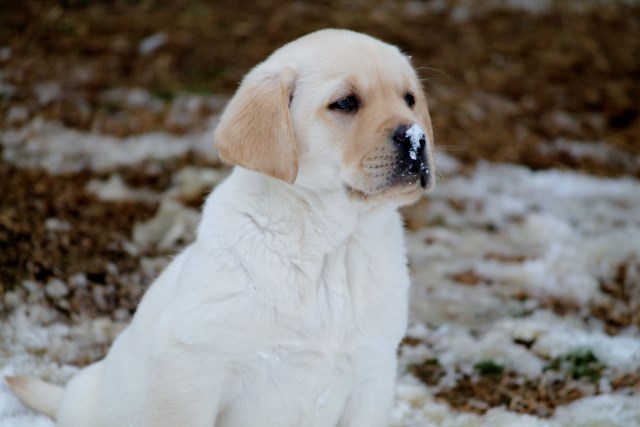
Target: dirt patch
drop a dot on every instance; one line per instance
(50, 228)
(566, 380)
(618, 306)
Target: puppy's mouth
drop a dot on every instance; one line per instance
(404, 175)
(412, 172)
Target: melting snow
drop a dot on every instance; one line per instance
(414, 133)
(152, 43)
(58, 149)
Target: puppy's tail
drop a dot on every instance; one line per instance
(37, 394)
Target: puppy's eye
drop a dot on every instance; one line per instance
(410, 100)
(347, 104)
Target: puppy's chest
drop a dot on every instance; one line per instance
(303, 368)
(343, 292)
(308, 345)
(339, 306)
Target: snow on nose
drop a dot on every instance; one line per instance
(415, 134)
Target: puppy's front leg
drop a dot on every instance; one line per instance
(182, 392)
(370, 404)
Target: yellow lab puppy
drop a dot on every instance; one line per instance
(288, 308)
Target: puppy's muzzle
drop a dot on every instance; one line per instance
(411, 143)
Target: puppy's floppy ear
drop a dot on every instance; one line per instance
(255, 129)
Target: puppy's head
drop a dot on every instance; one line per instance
(333, 111)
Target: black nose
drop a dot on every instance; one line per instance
(411, 138)
(400, 134)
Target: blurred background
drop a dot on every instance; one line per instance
(106, 114)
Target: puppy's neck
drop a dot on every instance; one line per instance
(334, 213)
(323, 218)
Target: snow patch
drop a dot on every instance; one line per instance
(599, 151)
(415, 134)
(57, 149)
(152, 43)
(114, 188)
(172, 223)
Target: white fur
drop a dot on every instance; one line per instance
(286, 311)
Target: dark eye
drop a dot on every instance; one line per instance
(348, 104)
(410, 100)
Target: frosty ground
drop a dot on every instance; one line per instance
(524, 300)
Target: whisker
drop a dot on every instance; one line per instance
(448, 148)
(442, 176)
(432, 82)
(428, 68)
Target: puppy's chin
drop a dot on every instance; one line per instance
(402, 191)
